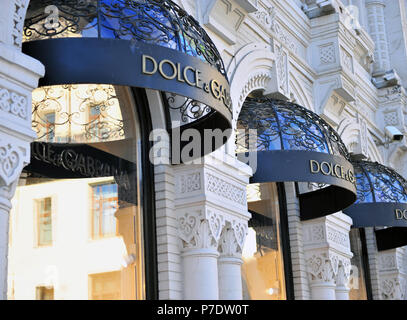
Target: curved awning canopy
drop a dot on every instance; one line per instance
(381, 202)
(294, 144)
(151, 44)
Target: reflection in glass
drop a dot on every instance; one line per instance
(77, 113)
(263, 269)
(82, 188)
(104, 206)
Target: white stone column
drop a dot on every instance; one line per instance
(200, 231)
(230, 261)
(211, 210)
(342, 282)
(19, 75)
(327, 253)
(322, 273)
(6, 193)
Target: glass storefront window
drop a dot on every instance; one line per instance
(358, 282)
(263, 267)
(79, 198)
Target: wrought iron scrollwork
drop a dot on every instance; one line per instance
(77, 113)
(160, 22)
(284, 125)
(188, 108)
(378, 183)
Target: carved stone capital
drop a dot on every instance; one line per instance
(232, 238)
(14, 156)
(329, 267)
(321, 267)
(200, 228)
(392, 288)
(343, 275)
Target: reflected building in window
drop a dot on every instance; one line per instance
(81, 192)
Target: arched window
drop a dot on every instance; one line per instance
(79, 207)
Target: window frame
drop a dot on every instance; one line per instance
(37, 204)
(285, 241)
(366, 265)
(100, 236)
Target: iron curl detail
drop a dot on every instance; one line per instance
(189, 109)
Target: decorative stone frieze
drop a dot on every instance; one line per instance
(13, 103)
(267, 19)
(225, 189)
(189, 182)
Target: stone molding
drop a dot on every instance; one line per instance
(317, 8)
(266, 18)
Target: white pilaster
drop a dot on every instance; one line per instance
(393, 277)
(230, 261)
(212, 216)
(327, 252)
(200, 230)
(19, 75)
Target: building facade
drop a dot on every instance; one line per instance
(200, 230)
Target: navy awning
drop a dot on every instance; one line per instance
(295, 144)
(381, 202)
